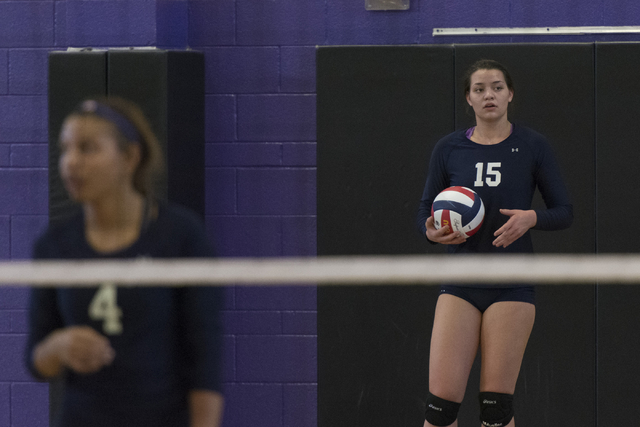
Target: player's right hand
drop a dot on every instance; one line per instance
(443, 235)
(83, 349)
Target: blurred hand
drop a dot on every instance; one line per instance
(443, 235)
(519, 222)
(83, 349)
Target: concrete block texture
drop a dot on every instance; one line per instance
(25, 395)
(229, 359)
(106, 23)
(243, 154)
(253, 405)
(5, 155)
(276, 298)
(246, 236)
(283, 22)
(220, 118)
(212, 23)
(5, 323)
(556, 13)
(172, 24)
(297, 69)
(30, 155)
(349, 23)
(300, 405)
(28, 71)
(4, 71)
(242, 69)
(617, 13)
(253, 322)
(12, 366)
(221, 191)
(279, 118)
(299, 237)
(23, 119)
(26, 24)
(13, 298)
(5, 404)
(299, 323)
(23, 191)
(5, 237)
(19, 321)
(280, 191)
(280, 359)
(299, 154)
(25, 229)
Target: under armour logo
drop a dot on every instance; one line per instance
(514, 150)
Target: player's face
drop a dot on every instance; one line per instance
(489, 95)
(92, 165)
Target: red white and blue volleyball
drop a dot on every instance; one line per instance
(460, 208)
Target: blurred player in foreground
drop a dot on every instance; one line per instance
(134, 356)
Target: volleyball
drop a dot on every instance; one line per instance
(460, 208)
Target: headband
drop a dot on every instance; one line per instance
(103, 111)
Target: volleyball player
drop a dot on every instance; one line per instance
(504, 163)
(129, 357)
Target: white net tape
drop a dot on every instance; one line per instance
(354, 270)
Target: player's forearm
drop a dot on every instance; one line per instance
(206, 408)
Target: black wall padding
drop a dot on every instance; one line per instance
(169, 86)
(372, 348)
(380, 112)
(553, 95)
(618, 153)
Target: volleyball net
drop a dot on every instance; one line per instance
(330, 270)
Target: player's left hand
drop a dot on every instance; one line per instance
(519, 222)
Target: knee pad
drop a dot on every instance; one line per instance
(440, 412)
(496, 409)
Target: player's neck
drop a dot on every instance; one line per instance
(122, 210)
(489, 133)
(114, 223)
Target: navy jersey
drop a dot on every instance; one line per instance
(505, 175)
(167, 340)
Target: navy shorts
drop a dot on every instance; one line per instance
(481, 298)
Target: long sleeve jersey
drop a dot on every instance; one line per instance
(167, 340)
(505, 175)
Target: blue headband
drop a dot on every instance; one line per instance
(103, 111)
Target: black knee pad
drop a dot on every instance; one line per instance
(440, 412)
(496, 409)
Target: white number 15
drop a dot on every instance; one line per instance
(493, 177)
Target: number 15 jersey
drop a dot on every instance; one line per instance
(505, 175)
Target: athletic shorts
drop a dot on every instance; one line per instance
(481, 298)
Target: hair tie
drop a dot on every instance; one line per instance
(101, 110)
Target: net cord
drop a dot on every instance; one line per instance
(343, 270)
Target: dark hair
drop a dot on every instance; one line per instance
(486, 64)
(151, 166)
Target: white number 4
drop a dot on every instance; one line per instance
(104, 306)
(493, 175)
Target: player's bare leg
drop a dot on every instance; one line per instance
(454, 345)
(506, 327)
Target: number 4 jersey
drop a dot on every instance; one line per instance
(505, 175)
(167, 340)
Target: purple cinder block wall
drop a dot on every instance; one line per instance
(260, 153)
